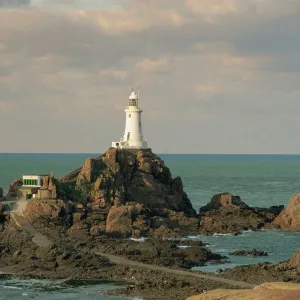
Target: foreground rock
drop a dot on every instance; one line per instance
(289, 218)
(226, 213)
(20, 256)
(271, 290)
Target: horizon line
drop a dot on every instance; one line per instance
(162, 153)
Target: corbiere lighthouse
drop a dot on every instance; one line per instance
(133, 136)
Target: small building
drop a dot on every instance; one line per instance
(31, 185)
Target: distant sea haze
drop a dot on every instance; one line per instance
(260, 180)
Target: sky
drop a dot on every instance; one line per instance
(215, 76)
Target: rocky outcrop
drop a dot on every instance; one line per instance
(127, 194)
(226, 213)
(289, 218)
(1, 193)
(270, 290)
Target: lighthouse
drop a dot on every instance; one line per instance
(133, 135)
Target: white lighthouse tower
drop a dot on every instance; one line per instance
(133, 136)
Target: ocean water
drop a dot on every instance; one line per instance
(16, 289)
(260, 180)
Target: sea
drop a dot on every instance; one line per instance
(260, 180)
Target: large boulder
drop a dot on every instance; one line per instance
(289, 218)
(270, 290)
(120, 219)
(224, 200)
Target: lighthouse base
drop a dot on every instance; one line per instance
(130, 145)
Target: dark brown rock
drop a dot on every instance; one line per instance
(253, 253)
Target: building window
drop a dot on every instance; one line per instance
(30, 182)
(132, 102)
(129, 115)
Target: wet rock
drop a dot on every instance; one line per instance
(253, 252)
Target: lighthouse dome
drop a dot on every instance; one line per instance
(133, 96)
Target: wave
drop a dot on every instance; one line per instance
(11, 287)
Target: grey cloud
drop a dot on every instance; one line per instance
(72, 75)
(14, 3)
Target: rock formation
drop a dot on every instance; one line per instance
(226, 213)
(289, 218)
(270, 290)
(121, 194)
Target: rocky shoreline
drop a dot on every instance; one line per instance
(120, 195)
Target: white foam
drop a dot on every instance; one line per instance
(142, 239)
(183, 247)
(222, 234)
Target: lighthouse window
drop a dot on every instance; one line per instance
(129, 116)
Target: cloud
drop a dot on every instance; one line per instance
(13, 3)
(152, 65)
(202, 70)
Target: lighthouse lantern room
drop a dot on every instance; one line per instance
(133, 136)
